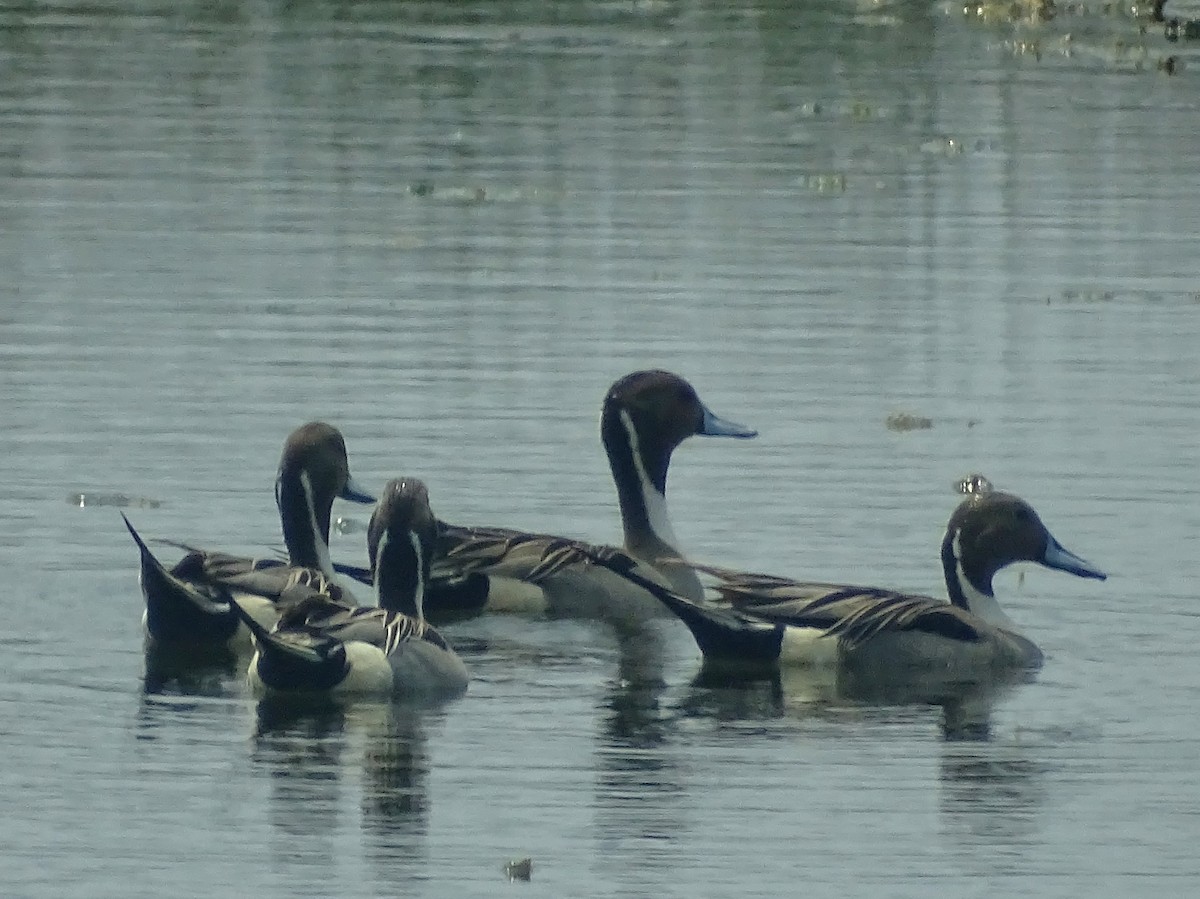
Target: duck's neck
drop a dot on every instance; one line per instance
(400, 575)
(305, 525)
(640, 473)
(970, 588)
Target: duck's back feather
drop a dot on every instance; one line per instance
(854, 614)
(561, 570)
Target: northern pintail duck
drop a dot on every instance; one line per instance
(189, 605)
(645, 416)
(322, 647)
(877, 633)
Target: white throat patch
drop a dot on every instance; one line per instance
(653, 502)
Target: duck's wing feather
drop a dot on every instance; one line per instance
(507, 553)
(263, 577)
(454, 537)
(855, 614)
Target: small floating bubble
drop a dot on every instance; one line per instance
(344, 525)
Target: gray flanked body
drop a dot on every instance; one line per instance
(189, 605)
(645, 416)
(874, 633)
(325, 648)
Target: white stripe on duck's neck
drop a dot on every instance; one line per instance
(377, 564)
(320, 543)
(654, 503)
(983, 605)
(419, 590)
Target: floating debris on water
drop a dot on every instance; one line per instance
(120, 500)
(1118, 35)
(943, 146)
(907, 421)
(521, 869)
(1084, 295)
(1182, 30)
(475, 194)
(1012, 11)
(824, 182)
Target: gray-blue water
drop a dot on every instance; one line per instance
(447, 227)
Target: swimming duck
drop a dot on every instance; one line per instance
(325, 647)
(645, 416)
(189, 605)
(870, 632)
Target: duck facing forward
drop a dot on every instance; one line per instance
(326, 648)
(645, 416)
(188, 606)
(868, 632)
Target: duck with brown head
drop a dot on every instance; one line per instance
(758, 620)
(646, 415)
(188, 606)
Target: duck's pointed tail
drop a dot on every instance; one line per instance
(300, 661)
(723, 634)
(176, 610)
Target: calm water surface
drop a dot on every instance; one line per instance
(447, 228)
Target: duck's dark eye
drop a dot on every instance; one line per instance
(1023, 516)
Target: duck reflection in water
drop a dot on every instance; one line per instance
(990, 793)
(191, 671)
(641, 786)
(722, 694)
(301, 751)
(305, 749)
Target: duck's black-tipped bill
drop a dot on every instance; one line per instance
(355, 493)
(1061, 559)
(715, 426)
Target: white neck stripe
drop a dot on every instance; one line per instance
(653, 502)
(322, 548)
(978, 603)
(379, 548)
(419, 592)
